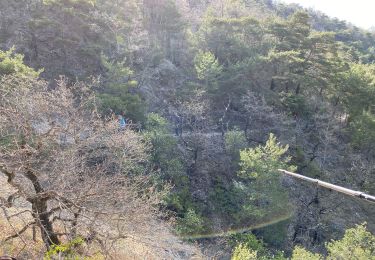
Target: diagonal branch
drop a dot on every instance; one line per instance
(20, 232)
(10, 175)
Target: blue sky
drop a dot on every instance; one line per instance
(358, 12)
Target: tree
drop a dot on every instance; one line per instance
(118, 92)
(164, 154)
(12, 63)
(123, 19)
(356, 95)
(208, 69)
(165, 25)
(301, 253)
(76, 174)
(363, 131)
(303, 60)
(191, 223)
(260, 164)
(357, 91)
(231, 40)
(263, 161)
(243, 253)
(66, 37)
(357, 243)
(235, 140)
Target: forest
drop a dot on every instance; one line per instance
(154, 129)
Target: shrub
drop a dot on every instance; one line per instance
(357, 243)
(242, 252)
(235, 140)
(296, 105)
(191, 224)
(12, 63)
(300, 253)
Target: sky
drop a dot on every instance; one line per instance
(358, 12)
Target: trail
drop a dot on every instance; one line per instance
(183, 134)
(188, 134)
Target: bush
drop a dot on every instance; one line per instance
(249, 240)
(227, 201)
(274, 235)
(190, 224)
(12, 63)
(249, 247)
(235, 140)
(300, 253)
(296, 105)
(66, 250)
(357, 243)
(242, 252)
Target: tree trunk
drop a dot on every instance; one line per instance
(41, 216)
(41, 213)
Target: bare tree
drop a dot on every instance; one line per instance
(76, 175)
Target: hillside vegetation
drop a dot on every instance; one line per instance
(217, 95)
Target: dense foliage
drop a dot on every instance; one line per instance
(223, 93)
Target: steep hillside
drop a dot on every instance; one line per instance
(209, 84)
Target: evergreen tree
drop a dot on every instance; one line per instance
(260, 165)
(12, 63)
(118, 93)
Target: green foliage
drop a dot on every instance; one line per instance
(230, 202)
(179, 200)
(296, 105)
(236, 43)
(230, 53)
(363, 131)
(207, 68)
(66, 250)
(231, 39)
(310, 168)
(156, 123)
(307, 60)
(248, 240)
(357, 243)
(164, 152)
(165, 25)
(190, 224)
(268, 198)
(262, 162)
(357, 94)
(357, 91)
(117, 95)
(300, 253)
(235, 140)
(242, 252)
(275, 235)
(12, 63)
(166, 159)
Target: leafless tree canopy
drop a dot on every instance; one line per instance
(73, 173)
